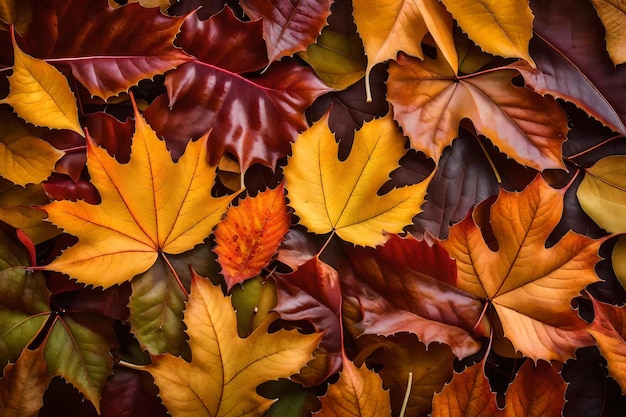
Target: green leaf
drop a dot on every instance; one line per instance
(78, 350)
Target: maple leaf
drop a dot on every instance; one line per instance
(602, 193)
(532, 303)
(499, 27)
(358, 393)
(468, 395)
(613, 16)
(391, 26)
(138, 45)
(208, 94)
(288, 27)
(225, 370)
(150, 205)
(330, 195)
(23, 384)
(409, 286)
(250, 234)
(609, 331)
(40, 94)
(429, 102)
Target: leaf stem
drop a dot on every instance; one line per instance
(171, 267)
(325, 244)
(407, 393)
(594, 147)
(493, 166)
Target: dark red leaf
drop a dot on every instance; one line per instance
(131, 394)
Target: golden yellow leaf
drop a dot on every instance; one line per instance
(18, 13)
(602, 193)
(500, 27)
(613, 16)
(24, 158)
(40, 94)
(225, 370)
(330, 195)
(389, 26)
(358, 393)
(150, 205)
(618, 258)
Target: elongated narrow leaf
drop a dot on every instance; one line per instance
(250, 234)
(40, 94)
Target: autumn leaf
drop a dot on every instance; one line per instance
(358, 393)
(23, 384)
(609, 331)
(537, 391)
(16, 13)
(613, 16)
(149, 206)
(225, 370)
(288, 27)
(429, 102)
(138, 43)
(468, 395)
(250, 234)
(330, 195)
(410, 286)
(206, 95)
(499, 27)
(337, 54)
(602, 193)
(40, 94)
(533, 304)
(25, 159)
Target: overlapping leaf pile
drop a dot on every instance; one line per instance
(334, 208)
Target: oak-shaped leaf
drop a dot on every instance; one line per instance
(253, 117)
(499, 27)
(572, 63)
(138, 43)
(23, 384)
(250, 234)
(40, 94)
(609, 331)
(357, 393)
(222, 378)
(409, 286)
(150, 205)
(529, 286)
(429, 101)
(288, 27)
(468, 395)
(330, 195)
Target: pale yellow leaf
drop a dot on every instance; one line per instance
(613, 16)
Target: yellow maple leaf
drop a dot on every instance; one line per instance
(225, 370)
(150, 205)
(40, 94)
(330, 195)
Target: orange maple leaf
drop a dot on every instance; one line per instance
(150, 206)
(530, 286)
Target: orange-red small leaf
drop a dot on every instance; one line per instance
(250, 235)
(537, 391)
